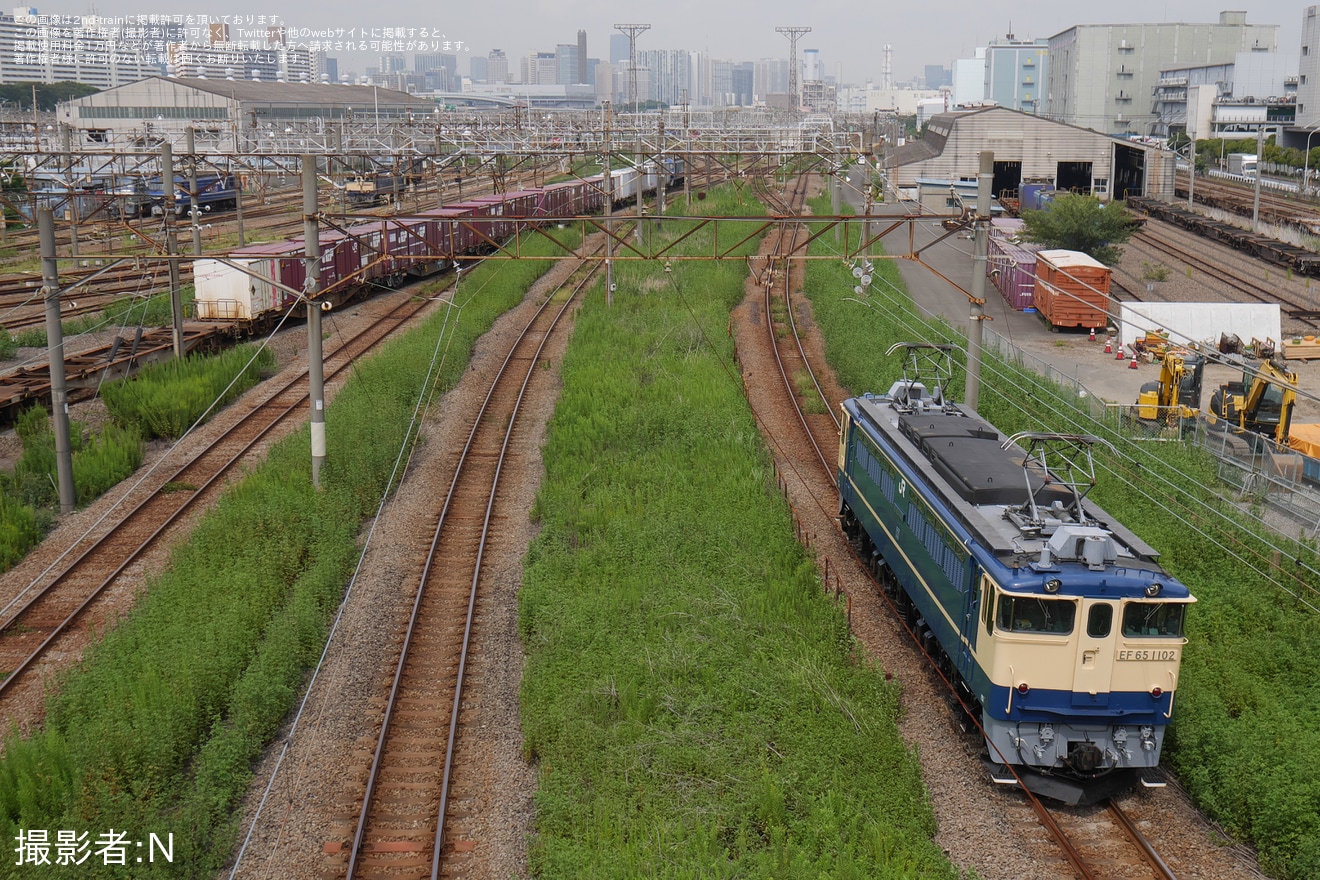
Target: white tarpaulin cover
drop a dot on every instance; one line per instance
(1199, 322)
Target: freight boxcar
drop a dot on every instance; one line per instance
(1072, 290)
(1012, 268)
(260, 287)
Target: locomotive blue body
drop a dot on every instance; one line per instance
(1057, 624)
(215, 192)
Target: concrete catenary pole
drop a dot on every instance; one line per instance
(609, 209)
(984, 185)
(311, 287)
(1260, 165)
(660, 172)
(194, 209)
(59, 399)
(172, 245)
(66, 134)
(834, 204)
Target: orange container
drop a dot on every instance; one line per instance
(1072, 290)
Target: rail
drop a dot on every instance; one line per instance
(47, 613)
(375, 847)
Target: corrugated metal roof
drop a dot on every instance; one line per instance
(928, 146)
(1071, 259)
(301, 93)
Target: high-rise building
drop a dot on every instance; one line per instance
(477, 69)
(540, 68)
(969, 80)
(811, 69)
(769, 77)
(605, 79)
(619, 48)
(423, 62)
(582, 57)
(742, 77)
(670, 72)
(566, 63)
(1015, 72)
(497, 66)
(1119, 102)
(297, 64)
(1308, 72)
(938, 76)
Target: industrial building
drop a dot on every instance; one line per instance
(1103, 76)
(1308, 72)
(1029, 150)
(227, 113)
(1257, 91)
(1015, 72)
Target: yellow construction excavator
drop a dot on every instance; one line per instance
(1262, 402)
(1177, 394)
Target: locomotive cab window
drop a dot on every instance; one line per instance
(1031, 614)
(1099, 620)
(1161, 620)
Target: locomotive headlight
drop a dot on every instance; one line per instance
(1053, 585)
(1153, 590)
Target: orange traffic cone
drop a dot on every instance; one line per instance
(1092, 339)
(1133, 364)
(1109, 345)
(1118, 353)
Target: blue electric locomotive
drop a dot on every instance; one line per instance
(1057, 624)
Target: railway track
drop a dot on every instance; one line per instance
(1235, 280)
(404, 826)
(792, 366)
(1102, 842)
(278, 216)
(43, 616)
(1094, 843)
(1239, 199)
(282, 206)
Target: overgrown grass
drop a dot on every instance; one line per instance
(1246, 733)
(165, 399)
(158, 729)
(693, 700)
(99, 461)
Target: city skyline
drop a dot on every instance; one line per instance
(848, 36)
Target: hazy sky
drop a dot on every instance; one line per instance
(850, 34)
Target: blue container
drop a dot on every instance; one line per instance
(1037, 196)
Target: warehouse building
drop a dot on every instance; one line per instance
(1030, 152)
(1102, 76)
(228, 114)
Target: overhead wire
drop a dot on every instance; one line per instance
(147, 472)
(994, 364)
(402, 461)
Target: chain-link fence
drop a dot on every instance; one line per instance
(1261, 471)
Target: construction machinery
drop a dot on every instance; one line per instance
(1176, 397)
(1262, 402)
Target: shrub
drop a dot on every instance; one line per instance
(161, 725)
(164, 400)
